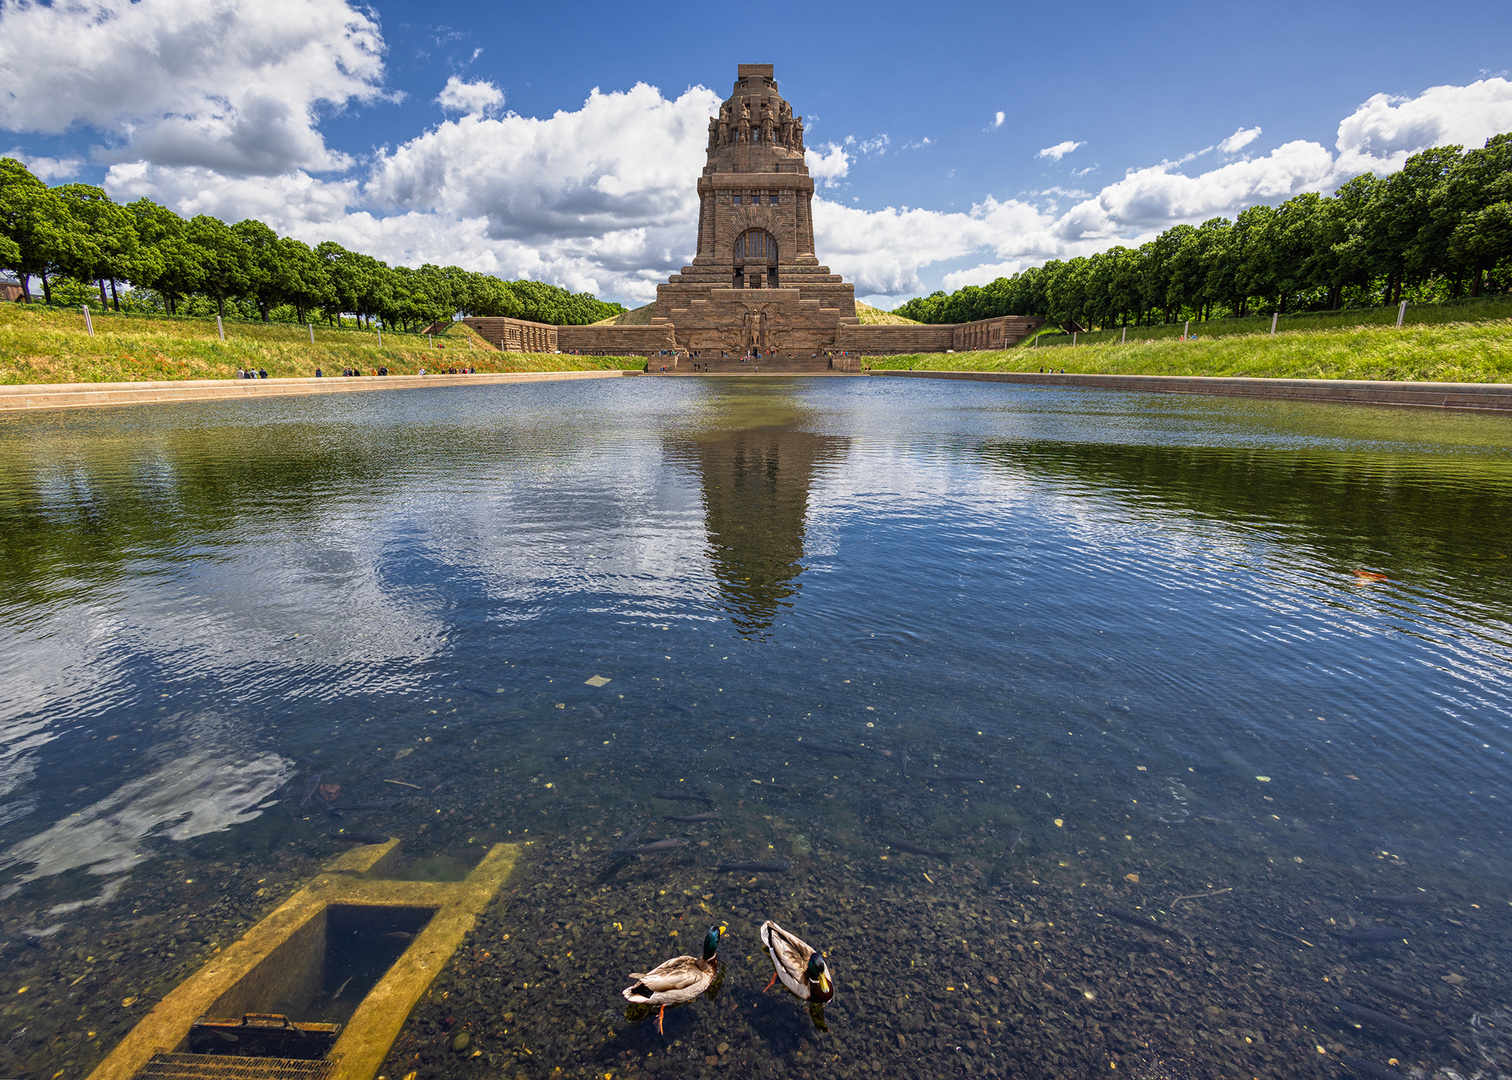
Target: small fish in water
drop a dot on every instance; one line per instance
(693, 819)
(903, 760)
(591, 711)
(915, 849)
(225, 1035)
(619, 849)
(395, 935)
(312, 785)
(776, 866)
(961, 777)
(1392, 990)
(1373, 933)
(1368, 577)
(825, 748)
(1389, 1024)
(1422, 899)
(358, 837)
(383, 804)
(677, 795)
(656, 847)
(1014, 836)
(1134, 917)
(339, 989)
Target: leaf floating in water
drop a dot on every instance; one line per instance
(596, 680)
(1369, 577)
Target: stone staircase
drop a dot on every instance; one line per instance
(776, 364)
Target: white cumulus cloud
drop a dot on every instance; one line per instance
(829, 166)
(472, 98)
(233, 86)
(1059, 150)
(997, 121)
(1389, 129)
(1239, 140)
(46, 168)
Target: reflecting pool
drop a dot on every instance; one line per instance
(1079, 730)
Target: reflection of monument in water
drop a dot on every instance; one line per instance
(756, 488)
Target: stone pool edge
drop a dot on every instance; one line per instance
(16, 398)
(1486, 396)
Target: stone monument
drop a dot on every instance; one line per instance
(755, 291)
(755, 287)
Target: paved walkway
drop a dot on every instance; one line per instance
(75, 395)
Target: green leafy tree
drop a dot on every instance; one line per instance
(104, 238)
(32, 223)
(176, 267)
(1399, 216)
(227, 260)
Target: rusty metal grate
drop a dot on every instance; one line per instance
(226, 1067)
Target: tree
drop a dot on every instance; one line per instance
(177, 266)
(264, 272)
(104, 238)
(31, 220)
(1480, 180)
(1398, 219)
(304, 281)
(227, 261)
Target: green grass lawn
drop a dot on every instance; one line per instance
(49, 345)
(1476, 352)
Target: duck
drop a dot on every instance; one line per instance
(677, 980)
(804, 973)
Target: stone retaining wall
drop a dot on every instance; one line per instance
(1493, 396)
(894, 339)
(616, 340)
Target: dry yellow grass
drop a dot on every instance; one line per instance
(871, 316)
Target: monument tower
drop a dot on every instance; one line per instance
(755, 285)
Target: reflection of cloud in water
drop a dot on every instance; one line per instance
(198, 794)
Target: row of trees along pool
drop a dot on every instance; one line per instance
(74, 234)
(1439, 229)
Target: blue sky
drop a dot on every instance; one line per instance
(952, 142)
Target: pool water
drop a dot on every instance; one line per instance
(1179, 692)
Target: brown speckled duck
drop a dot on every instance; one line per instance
(677, 980)
(803, 972)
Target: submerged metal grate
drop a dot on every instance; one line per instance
(226, 1067)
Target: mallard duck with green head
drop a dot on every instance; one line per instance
(678, 980)
(802, 971)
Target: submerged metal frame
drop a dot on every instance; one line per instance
(251, 967)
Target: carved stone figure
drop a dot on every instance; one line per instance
(745, 123)
(766, 127)
(713, 134)
(798, 133)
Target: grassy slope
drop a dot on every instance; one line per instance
(640, 316)
(1444, 352)
(40, 345)
(871, 316)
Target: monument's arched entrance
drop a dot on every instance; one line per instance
(755, 260)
